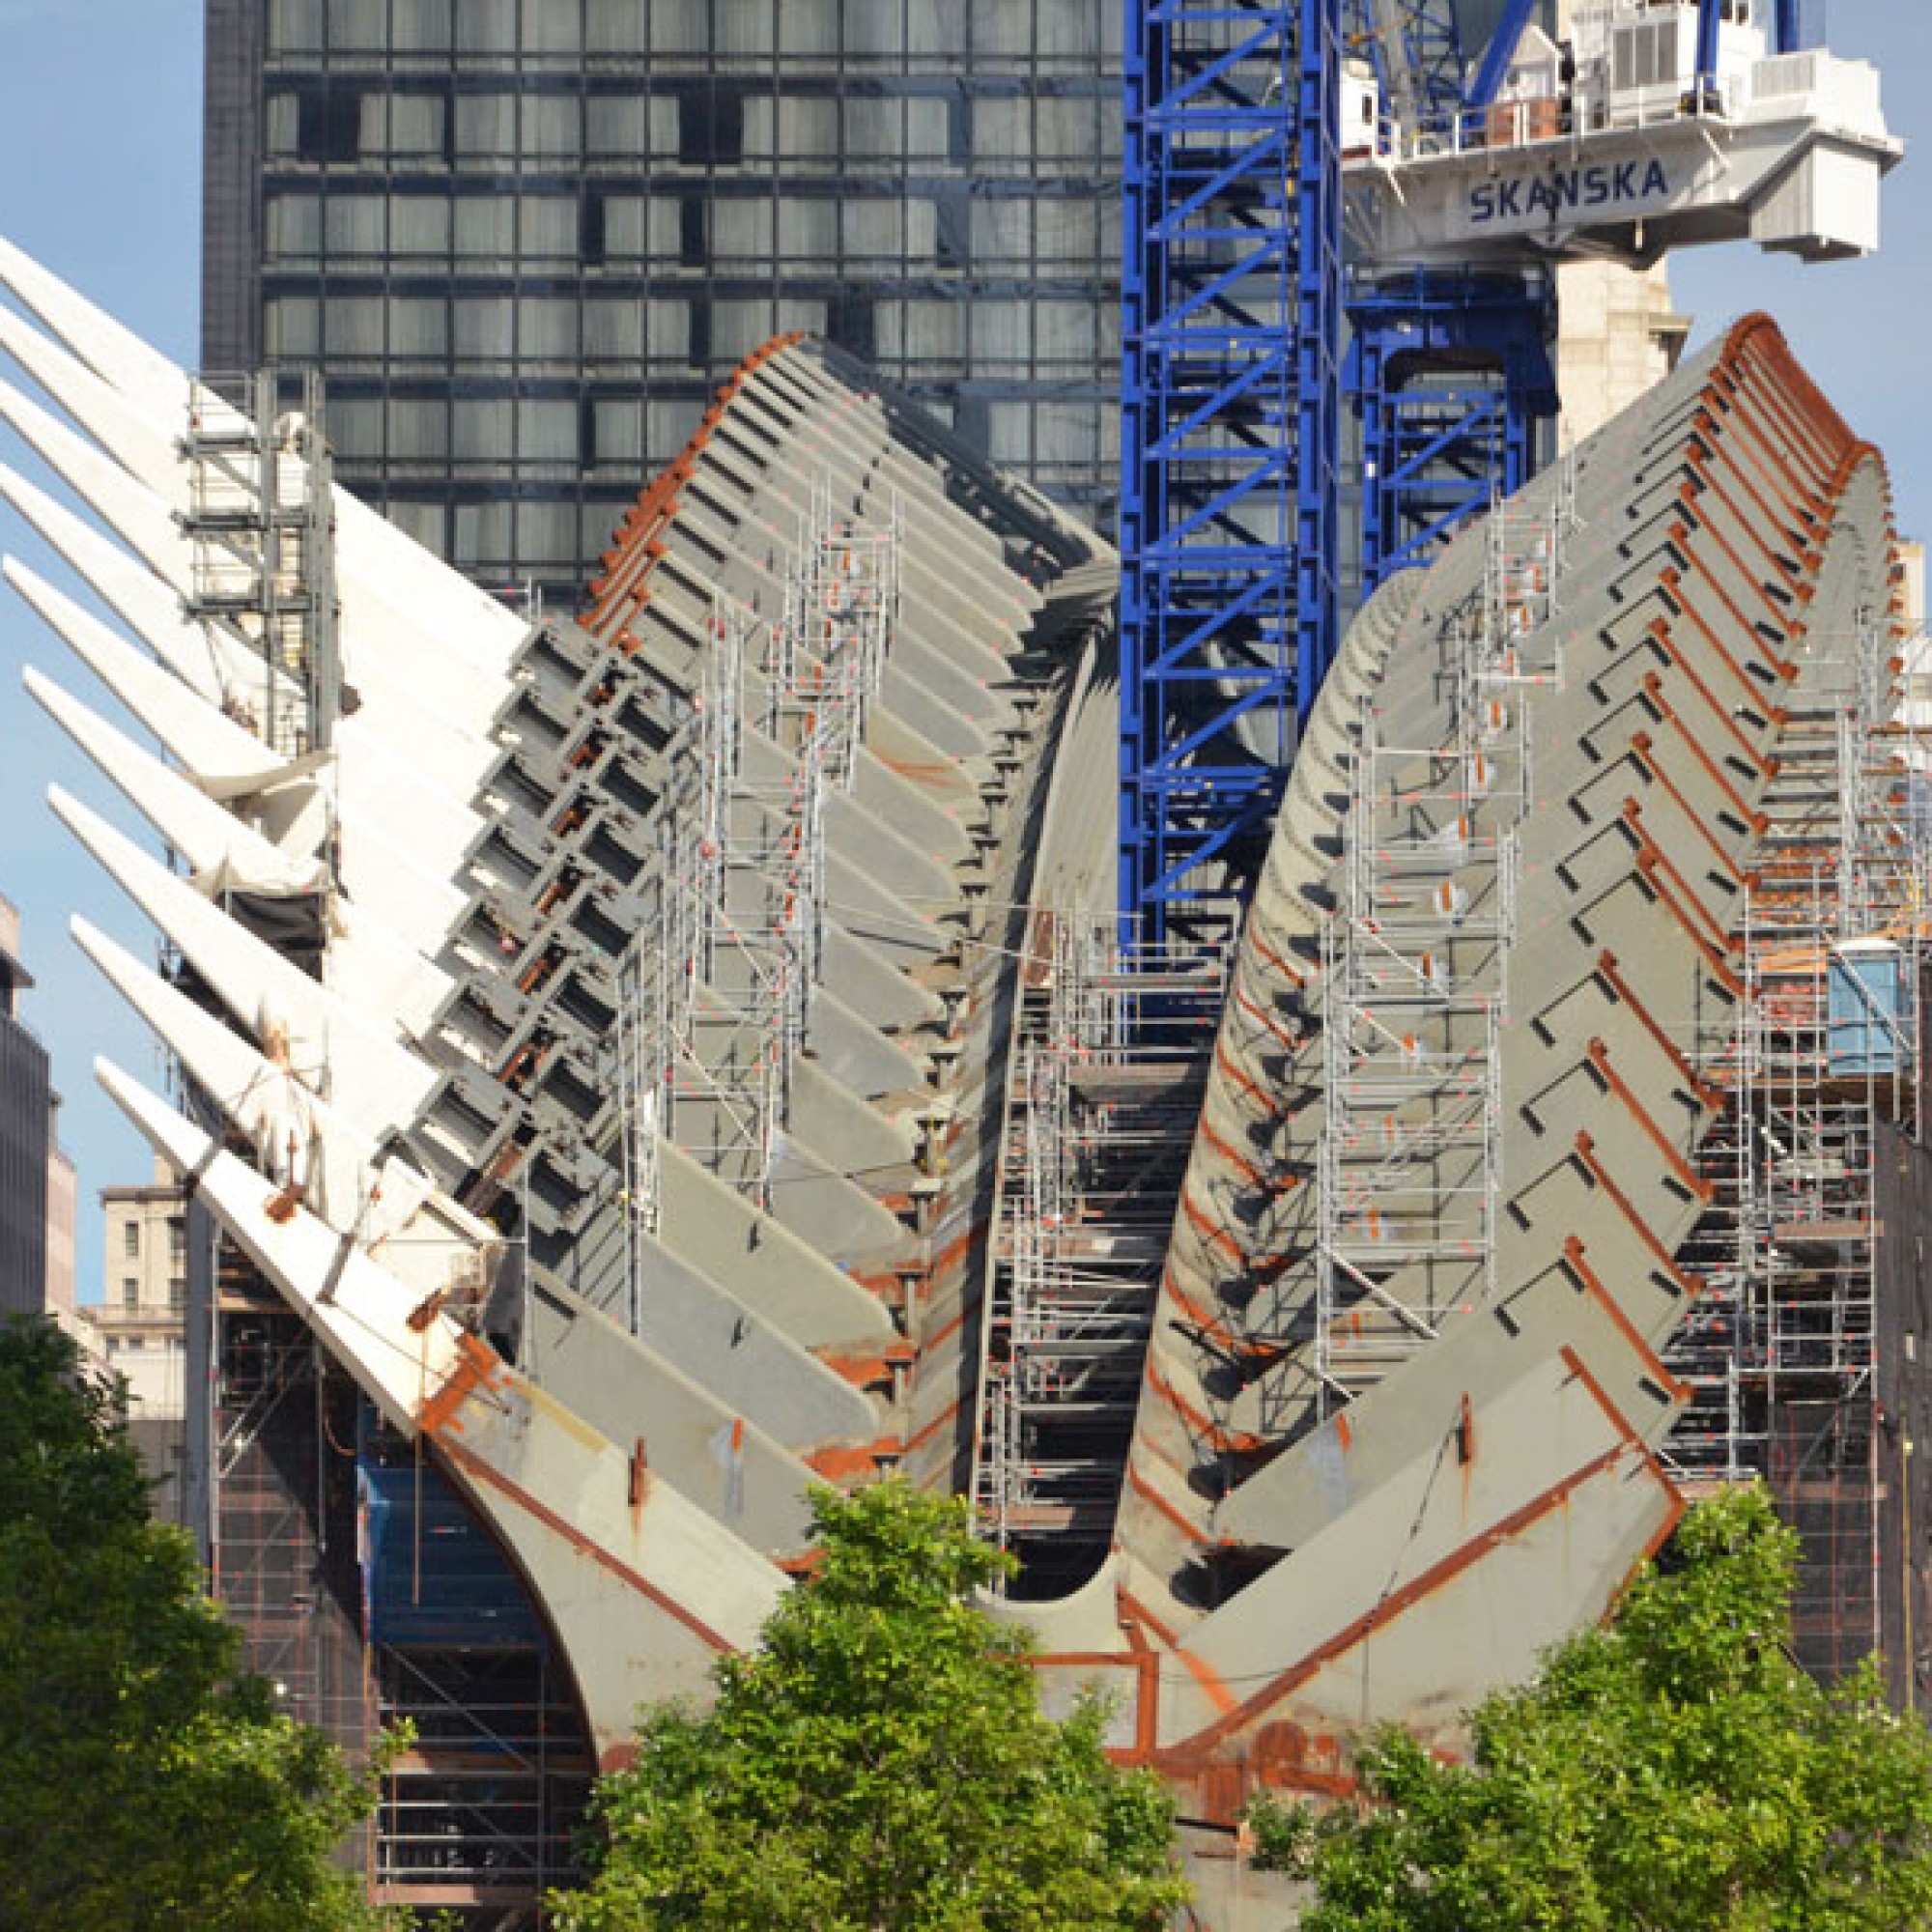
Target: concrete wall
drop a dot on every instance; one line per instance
(1617, 335)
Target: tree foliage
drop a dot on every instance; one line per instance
(880, 1764)
(1675, 1770)
(145, 1783)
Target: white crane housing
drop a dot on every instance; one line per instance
(1608, 144)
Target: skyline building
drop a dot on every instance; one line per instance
(139, 1326)
(37, 1180)
(525, 244)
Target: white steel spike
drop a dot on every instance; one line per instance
(377, 557)
(213, 747)
(376, 970)
(368, 967)
(381, 790)
(388, 880)
(396, 721)
(128, 508)
(391, 654)
(107, 347)
(385, 776)
(360, 1309)
(371, 1076)
(373, 548)
(224, 854)
(380, 877)
(140, 434)
(219, 666)
(399, 687)
(346, 1178)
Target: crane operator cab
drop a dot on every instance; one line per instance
(1635, 134)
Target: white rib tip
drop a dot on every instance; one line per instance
(178, 1141)
(109, 348)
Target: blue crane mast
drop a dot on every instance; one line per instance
(1232, 341)
(1234, 395)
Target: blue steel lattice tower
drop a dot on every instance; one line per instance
(1231, 421)
(1234, 396)
(1235, 392)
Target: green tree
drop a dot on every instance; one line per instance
(1674, 1770)
(880, 1762)
(145, 1783)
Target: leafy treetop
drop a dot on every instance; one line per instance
(145, 1783)
(1675, 1772)
(880, 1764)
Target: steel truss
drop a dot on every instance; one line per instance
(1231, 328)
(1451, 381)
(1416, 47)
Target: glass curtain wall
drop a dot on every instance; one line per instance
(526, 239)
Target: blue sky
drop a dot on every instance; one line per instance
(101, 178)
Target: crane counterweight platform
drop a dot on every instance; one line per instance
(1618, 142)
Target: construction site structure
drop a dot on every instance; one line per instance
(1821, 1069)
(259, 521)
(1295, 167)
(1415, 964)
(1649, 126)
(1278, 1471)
(1109, 1060)
(365, 1589)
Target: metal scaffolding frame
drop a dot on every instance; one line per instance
(281, 1506)
(1109, 1072)
(478, 1815)
(1410, 1170)
(259, 526)
(1780, 1355)
(475, 1817)
(714, 1008)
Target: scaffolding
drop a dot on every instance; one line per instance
(476, 1816)
(261, 533)
(478, 1812)
(282, 1506)
(713, 1011)
(1780, 1352)
(1110, 1068)
(1409, 1171)
(279, 1498)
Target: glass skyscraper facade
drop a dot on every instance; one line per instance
(525, 240)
